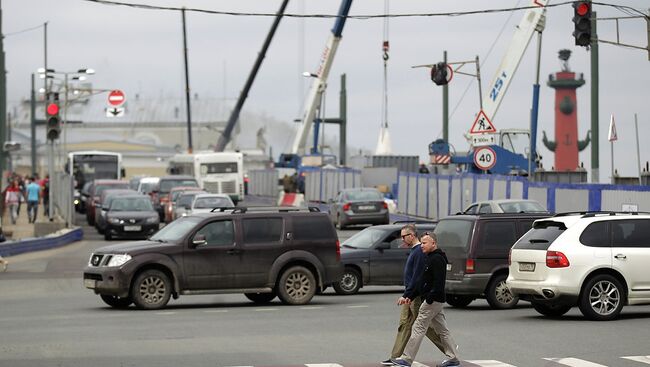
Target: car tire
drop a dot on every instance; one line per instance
(498, 294)
(260, 297)
(350, 282)
(551, 310)
(100, 231)
(296, 286)
(601, 288)
(151, 290)
(107, 236)
(116, 302)
(459, 301)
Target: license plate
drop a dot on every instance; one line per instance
(448, 267)
(90, 283)
(366, 207)
(132, 228)
(526, 266)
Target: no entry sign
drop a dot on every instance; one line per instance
(116, 98)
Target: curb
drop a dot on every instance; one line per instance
(11, 248)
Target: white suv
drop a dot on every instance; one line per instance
(596, 260)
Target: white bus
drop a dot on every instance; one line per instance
(218, 173)
(89, 165)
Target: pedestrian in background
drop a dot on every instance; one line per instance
(46, 196)
(33, 196)
(12, 200)
(413, 271)
(431, 314)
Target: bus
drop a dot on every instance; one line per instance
(86, 166)
(216, 172)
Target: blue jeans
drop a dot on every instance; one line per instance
(32, 210)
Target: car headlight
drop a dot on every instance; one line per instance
(151, 220)
(114, 221)
(119, 260)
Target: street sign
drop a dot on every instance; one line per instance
(485, 158)
(116, 98)
(115, 112)
(482, 124)
(479, 140)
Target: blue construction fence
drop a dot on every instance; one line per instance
(437, 196)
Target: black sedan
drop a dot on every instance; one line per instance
(131, 216)
(375, 256)
(362, 205)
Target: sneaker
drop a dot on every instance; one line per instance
(454, 362)
(400, 362)
(387, 362)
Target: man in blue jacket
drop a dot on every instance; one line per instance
(413, 270)
(431, 315)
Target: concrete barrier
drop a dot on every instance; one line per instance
(291, 199)
(57, 239)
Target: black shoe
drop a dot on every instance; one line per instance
(450, 363)
(387, 362)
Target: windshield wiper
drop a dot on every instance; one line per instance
(535, 240)
(348, 246)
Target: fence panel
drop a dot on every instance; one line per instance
(540, 194)
(617, 200)
(433, 198)
(422, 196)
(569, 200)
(443, 196)
(482, 188)
(468, 192)
(455, 199)
(499, 189)
(517, 189)
(401, 193)
(63, 197)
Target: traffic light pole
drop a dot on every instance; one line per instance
(50, 165)
(33, 127)
(595, 174)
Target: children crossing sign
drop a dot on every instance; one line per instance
(482, 124)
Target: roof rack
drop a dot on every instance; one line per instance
(222, 209)
(279, 209)
(593, 213)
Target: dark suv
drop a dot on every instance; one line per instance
(477, 247)
(291, 253)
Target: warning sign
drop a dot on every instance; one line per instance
(482, 124)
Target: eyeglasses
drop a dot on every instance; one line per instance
(406, 235)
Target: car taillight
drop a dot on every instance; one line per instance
(346, 207)
(338, 250)
(164, 199)
(556, 259)
(469, 266)
(385, 205)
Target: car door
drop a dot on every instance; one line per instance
(263, 241)
(387, 264)
(631, 254)
(213, 264)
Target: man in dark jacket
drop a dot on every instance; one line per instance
(431, 315)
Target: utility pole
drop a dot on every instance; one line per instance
(3, 103)
(595, 174)
(187, 87)
(33, 126)
(445, 106)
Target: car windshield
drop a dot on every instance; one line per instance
(131, 205)
(453, 233)
(522, 207)
(365, 238)
(167, 185)
(363, 196)
(176, 230)
(211, 202)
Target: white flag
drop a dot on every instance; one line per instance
(612, 130)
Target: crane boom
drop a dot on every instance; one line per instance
(313, 101)
(510, 62)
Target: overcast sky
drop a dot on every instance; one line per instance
(140, 52)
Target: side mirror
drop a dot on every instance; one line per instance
(199, 240)
(383, 246)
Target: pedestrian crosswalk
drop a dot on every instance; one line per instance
(549, 362)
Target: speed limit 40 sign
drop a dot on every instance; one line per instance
(485, 158)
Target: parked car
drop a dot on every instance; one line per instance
(131, 216)
(263, 254)
(184, 203)
(104, 203)
(477, 247)
(94, 195)
(160, 194)
(364, 205)
(170, 206)
(597, 261)
(505, 206)
(205, 203)
(375, 256)
(146, 185)
(84, 194)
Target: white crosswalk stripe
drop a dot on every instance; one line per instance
(642, 359)
(574, 362)
(489, 363)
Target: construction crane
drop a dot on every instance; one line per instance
(505, 159)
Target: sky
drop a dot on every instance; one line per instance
(140, 52)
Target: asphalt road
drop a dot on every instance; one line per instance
(47, 318)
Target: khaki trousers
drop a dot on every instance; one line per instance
(430, 318)
(408, 315)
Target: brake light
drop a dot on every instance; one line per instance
(346, 207)
(338, 250)
(385, 205)
(469, 266)
(556, 259)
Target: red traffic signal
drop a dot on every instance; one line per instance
(582, 23)
(52, 109)
(582, 8)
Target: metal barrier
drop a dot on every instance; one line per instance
(263, 183)
(437, 196)
(62, 197)
(322, 184)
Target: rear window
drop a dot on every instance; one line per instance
(312, 227)
(497, 237)
(365, 238)
(211, 202)
(454, 233)
(522, 207)
(262, 230)
(363, 196)
(167, 185)
(541, 236)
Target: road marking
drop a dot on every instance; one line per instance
(574, 362)
(265, 309)
(311, 308)
(215, 311)
(487, 363)
(642, 359)
(418, 364)
(358, 306)
(323, 365)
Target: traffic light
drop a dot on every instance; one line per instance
(53, 123)
(582, 22)
(439, 73)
